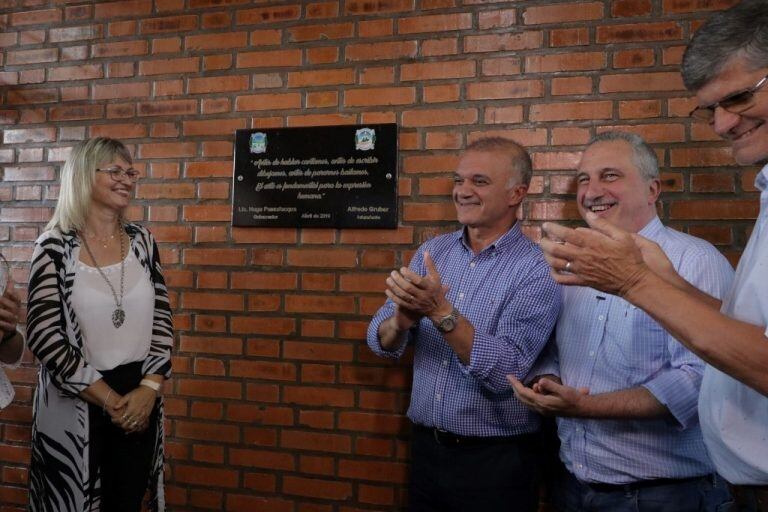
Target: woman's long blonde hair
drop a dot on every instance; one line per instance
(77, 177)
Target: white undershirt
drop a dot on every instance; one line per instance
(107, 346)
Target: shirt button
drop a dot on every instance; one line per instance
(581, 465)
(472, 265)
(445, 362)
(438, 397)
(592, 353)
(601, 317)
(461, 295)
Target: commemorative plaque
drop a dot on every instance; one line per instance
(330, 176)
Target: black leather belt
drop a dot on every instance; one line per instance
(445, 438)
(644, 484)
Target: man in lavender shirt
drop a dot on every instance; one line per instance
(626, 406)
(476, 304)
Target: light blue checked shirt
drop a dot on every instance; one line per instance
(607, 344)
(506, 292)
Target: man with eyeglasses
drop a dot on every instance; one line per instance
(725, 65)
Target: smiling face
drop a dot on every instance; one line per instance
(747, 132)
(108, 193)
(482, 193)
(610, 185)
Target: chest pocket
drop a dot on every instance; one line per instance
(641, 349)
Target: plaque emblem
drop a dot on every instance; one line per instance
(258, 143)
(365, 139)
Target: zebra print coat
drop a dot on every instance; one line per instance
(59, 474)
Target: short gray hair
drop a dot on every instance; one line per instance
(521, 160)
(77, 176)
(643, 156)
(742, 29)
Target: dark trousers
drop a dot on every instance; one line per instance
(498, 476)
(704, 494)
(123, 461)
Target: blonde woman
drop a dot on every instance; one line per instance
(99, 321)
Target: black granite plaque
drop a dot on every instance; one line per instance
(330, 176)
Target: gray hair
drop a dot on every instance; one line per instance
(77, 176)
(521, 160)
(643, 156)
(742, 29)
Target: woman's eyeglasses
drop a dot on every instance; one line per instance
(117, 173)
(736, 103)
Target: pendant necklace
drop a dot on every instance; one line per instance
(118, 315)
(103, 241)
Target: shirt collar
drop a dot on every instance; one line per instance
(651, 229)
(506, 240)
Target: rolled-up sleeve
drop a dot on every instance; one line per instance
(677, 387)
(525, 325)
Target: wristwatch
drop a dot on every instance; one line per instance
(448, 323)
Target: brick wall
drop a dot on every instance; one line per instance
(276, 404)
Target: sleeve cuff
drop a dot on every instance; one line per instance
(678, 391)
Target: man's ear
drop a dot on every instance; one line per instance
(654, 189)
(517, 193)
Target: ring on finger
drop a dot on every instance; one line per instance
(567, 266)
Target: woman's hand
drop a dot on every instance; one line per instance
(10, 306)
(136, 407)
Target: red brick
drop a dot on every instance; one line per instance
(21, 57)
(434, 23)
(121, 91)
(700, 157)
(503, 42)
(641, 82)
(377, 6)
(639, 32)
(267, 14)
(168, 150)
(262, 325)
(122, 8)
(681, 6)
(504, 90)
(268, 101)
(80, 112)
(324, 489)
(23, 135)
(715, 210)
(40, 17)
(172, 24)
(268, 58)
(197, 475)
(216, 41)
(316, 396)
(209, 388)
(557, 14)
(380, 51)
(323, 32)
(627, 8)
(437, 70)
(571, 111)
(571, 85)
(565, 62)
(169, 66)
(379, 96)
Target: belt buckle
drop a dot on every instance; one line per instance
(440, 436)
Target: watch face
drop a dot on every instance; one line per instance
(447, 324)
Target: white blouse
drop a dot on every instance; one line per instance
(107, 346)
